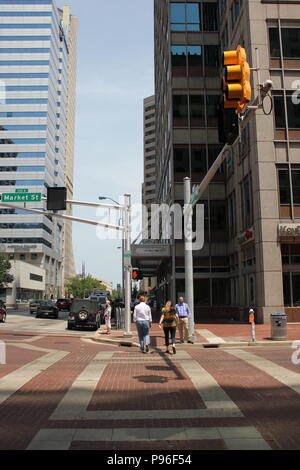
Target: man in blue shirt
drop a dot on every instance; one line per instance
(183, 313)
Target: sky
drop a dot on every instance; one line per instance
(115, 73)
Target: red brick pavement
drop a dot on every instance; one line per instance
(267, 404)
(227, 331)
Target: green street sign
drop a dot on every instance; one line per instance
(21, 197)
(127, 259)
(21, 190)
(195, 195)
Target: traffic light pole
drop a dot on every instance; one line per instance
(188, 255)
(127, 269)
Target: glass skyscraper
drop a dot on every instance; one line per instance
(37, 79)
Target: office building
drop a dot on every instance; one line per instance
(251, 253)
(37, 71)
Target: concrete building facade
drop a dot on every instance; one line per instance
(37, 73)
(251, 253)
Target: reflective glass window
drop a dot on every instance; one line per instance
(25, 26)
(24, 62)
(22, 141)
(25, 38)
(25, 13)
(26, 101)
(23, 50)
(24, 75)
(10, 114)
(22, 155)
(23, 128)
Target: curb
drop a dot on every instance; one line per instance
(232, 344)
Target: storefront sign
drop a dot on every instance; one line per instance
(289, 230)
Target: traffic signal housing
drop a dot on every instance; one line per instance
(236, 84)
(137, 275)
(56, 199)
(228, 125)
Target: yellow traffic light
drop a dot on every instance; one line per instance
(236, 84)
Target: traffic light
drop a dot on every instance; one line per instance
(236, 84)
(137, 275)
(56, 199)
(228, 125)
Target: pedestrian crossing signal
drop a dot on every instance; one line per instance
(137, 275)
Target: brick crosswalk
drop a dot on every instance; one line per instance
(74, 394)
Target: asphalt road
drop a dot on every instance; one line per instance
(24, 321)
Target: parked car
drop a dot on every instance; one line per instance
(33, 306)
(84, 313)
(46, 308)
(2, 312)
(63, 304)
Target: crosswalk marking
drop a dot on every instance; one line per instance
(11, 383)
(247, 438)
(282, 374)
(210, 337)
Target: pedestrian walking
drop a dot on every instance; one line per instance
(183, 313)
(169, 320)
(107, 316)
(143, 318)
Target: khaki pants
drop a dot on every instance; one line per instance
(183, 327)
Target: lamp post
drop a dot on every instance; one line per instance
(126, 270)
(121, 222)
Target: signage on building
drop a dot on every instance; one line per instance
(155, 251)
(289, 230)
(246, 236)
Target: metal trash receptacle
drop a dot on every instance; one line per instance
(279, 326)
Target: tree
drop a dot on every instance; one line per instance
(81, 288)
(5, 276)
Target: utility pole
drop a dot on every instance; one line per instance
(127, 268)
(188, 252)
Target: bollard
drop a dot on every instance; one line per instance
(251, 320)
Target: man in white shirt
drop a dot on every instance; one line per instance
(143, 318)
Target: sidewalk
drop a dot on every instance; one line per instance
(207, 335)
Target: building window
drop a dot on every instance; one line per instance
(181, 160)
(199, 160)
(285, 185)
(186, 17)
(231, 208)
(210, 17)
(293, 111)
(218, 220)
(235, 11)
(291, 289)
(290, 43)
(35, 277)
(247, 203)
(180, 106)
(212, 56)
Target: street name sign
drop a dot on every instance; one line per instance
(21, 197)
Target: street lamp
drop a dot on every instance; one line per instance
(102, 198)
(121, 221)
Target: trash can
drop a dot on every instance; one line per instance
(279, 326)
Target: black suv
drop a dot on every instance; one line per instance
(84, 313)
